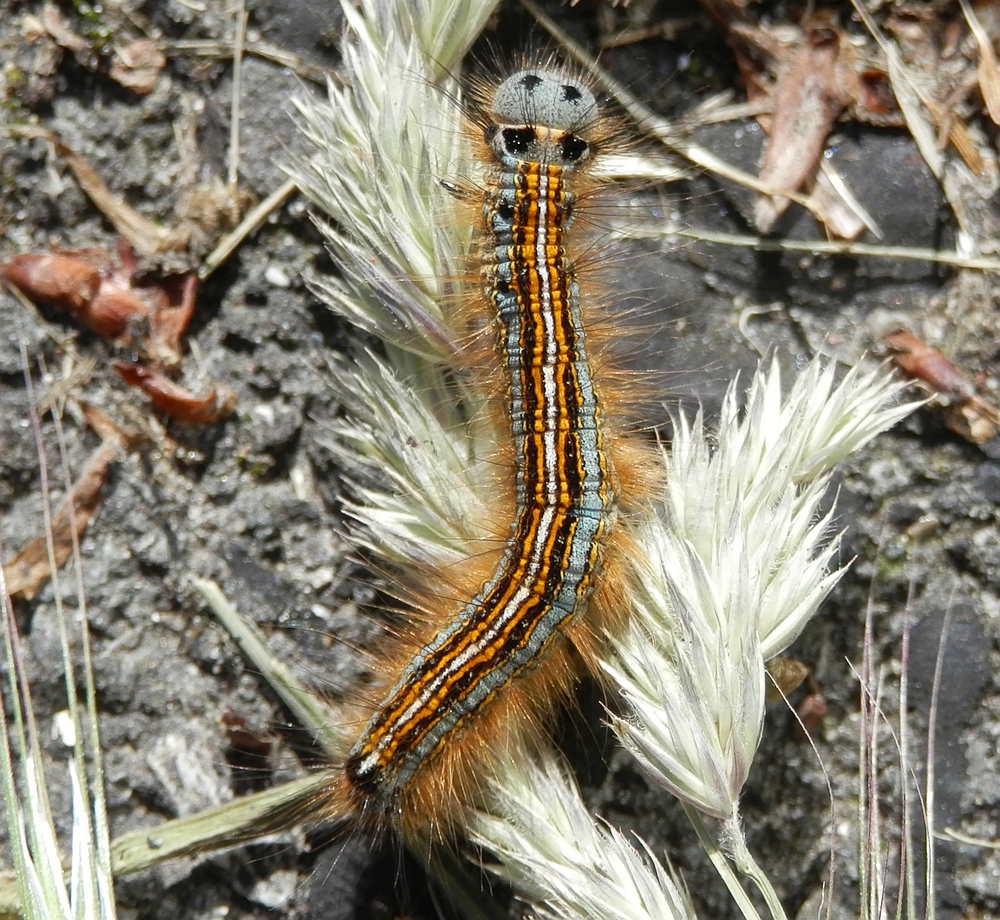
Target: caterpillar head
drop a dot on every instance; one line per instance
(542, 116)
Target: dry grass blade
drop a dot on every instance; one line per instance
(891, 826)
(833, 247)
(988, 68)
(247, 818)
(907, 95)
(39, 891)
(146, 236)
(312, 712)
(33, 565)
(239, 38)
(45, 890)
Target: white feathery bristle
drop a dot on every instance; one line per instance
(553, 852)
(379, 143)
(733, 562)
(416, 480)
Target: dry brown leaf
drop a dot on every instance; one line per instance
(169, 319)
(28, 571)
(101, 292)
(831, 200)
(174, 400)
(86, 283)
(963, 411)
(926, 364)
(66, 281)
(807, 100)
(965, 147)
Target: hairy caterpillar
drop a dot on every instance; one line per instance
(476, 687)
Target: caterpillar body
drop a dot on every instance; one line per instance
(475, 690)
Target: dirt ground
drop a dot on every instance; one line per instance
(252, 502)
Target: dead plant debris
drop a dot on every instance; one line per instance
(173, 400)
(953, 392)
(135, 63)
(820, 71)
(31, 568)
(105, 293)
(147, 237)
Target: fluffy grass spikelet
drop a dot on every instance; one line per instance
(379, 144)
(551, 850)
(734, 562)
(416, 485)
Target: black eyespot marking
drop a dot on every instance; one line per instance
(505, 210)
(517, 140)
(571, 93)
(530, 82)
(573, 148)
(503, 286)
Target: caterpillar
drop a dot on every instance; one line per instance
(478, 685)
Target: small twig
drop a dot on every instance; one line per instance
(908, 94)
(263, 50)
(906, 860)
(234, 121)
(831, 247)
(246, 226)
(656, 126)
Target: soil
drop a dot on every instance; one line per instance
(252, 502)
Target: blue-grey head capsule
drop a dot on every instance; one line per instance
(544, 99)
